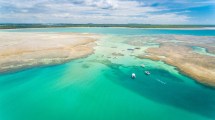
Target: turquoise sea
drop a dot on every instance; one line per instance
(99, 87)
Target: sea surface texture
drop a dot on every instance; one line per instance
(99, 86)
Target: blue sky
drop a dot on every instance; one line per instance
(108, 11)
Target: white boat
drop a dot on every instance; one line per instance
(142, 65)
(133, 75)
(147, 72)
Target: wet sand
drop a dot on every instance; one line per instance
(24, 50)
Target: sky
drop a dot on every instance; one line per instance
(108, 11)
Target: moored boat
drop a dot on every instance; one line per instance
(147, 72)
(133, 76)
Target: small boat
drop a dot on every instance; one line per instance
(142, 65)
(130, 49)
(133, 76)
(137, 48)
(147, 72)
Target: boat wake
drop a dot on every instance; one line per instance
(162, 82)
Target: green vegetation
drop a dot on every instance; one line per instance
(15, 26)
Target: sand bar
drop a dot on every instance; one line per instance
(177, 50)
(24, 50)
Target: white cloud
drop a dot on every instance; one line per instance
(86, 11)
(104, 4)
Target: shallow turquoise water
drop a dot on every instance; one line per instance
(202, 50)
(122, 31)
(99, 87)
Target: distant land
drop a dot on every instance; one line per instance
(16, 26)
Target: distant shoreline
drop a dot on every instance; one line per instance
(200, 28)
(143, 26)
